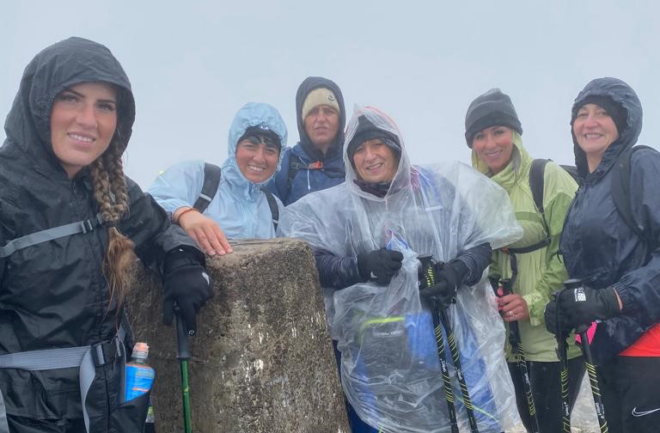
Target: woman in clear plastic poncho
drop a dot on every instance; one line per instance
(367, 234)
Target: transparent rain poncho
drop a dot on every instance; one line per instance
(390, 368)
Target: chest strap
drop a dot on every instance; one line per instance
(42, 236)
(87, 358)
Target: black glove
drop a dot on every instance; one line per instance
(379, 265)
(581, 306)
(448, 278)
(556, 325)
(187, 285)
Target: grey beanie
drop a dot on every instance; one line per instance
(493, 108)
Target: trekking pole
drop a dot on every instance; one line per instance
(589, 364)
(455, 355)
(562, 355)
(428, 279)
(505, 287)
(183, 355)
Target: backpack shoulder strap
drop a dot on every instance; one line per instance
(295, 164)
(537, 183)
(212, 175)
(621, 190)
(272, 204)
(50, 234)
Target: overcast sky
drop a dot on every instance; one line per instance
(194, 64)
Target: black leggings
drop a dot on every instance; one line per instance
(546, 387)
(630, 388)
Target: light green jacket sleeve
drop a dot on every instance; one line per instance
(559, 190)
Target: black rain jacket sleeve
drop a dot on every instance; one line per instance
(341, 272)
(598, 246)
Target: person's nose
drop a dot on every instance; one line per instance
(87, 116)
(591, 121)
(369, 154)
(260, 154)
(490, 141)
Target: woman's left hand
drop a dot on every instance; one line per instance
(513, 307)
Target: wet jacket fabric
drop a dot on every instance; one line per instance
(54, 294)
(332, 173)
(389, 360)
(599, 247)
(540, 272)
(239, 206)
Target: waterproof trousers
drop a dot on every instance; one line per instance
(545, 378)
(630, 388)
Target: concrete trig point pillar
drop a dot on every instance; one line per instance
(262, 358)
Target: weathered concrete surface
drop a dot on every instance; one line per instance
(262, 359)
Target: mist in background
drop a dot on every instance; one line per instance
(194, 64)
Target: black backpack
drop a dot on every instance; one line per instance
(620, 189)
(212, 174)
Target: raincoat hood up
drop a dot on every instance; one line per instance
(258, 115)
(305, 88)
(390, 368)
(54, 294)
(239, 206)
(54, 69)
(623, 95)
(598, 246)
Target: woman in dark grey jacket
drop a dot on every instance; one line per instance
(618, 262)
(71, 225)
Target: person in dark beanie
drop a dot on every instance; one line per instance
(618, 263)
(366, 235)
(315, 163)
(494, 133)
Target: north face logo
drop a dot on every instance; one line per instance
(331, 97)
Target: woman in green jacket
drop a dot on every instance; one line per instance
(493, 132)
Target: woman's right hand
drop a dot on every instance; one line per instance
(206, 232)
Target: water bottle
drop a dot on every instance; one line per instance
(139, 376)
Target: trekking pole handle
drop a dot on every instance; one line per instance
(182, 337)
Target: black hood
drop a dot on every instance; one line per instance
(60, 66)
(622, 94)
(305, 88)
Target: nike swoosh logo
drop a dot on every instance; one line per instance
(643, 413)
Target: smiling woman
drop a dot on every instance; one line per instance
(72, 226)
(239, 208)
(617, 266)
(494, 132)
(257, 155)
(83, 122)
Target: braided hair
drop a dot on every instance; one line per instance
(111, 195)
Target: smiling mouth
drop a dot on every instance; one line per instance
(83, 138)
(492, 154)
(256, 169)
(374, 167)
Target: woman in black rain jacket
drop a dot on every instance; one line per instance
(619, 269)
(71, 226)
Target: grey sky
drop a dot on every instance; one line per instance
(194, 64)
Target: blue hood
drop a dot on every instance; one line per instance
(252, 114)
